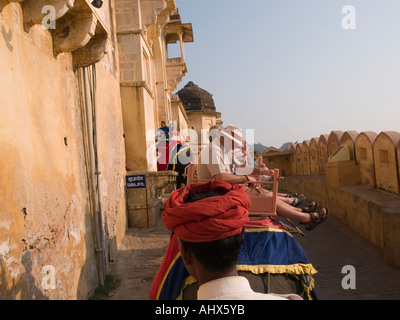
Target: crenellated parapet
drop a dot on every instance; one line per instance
(345, 158)
(358, 180)
(75, 27)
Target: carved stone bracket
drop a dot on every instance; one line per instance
(81, 32)
(155, 15)
(93, 52)
(78, 28)
(73, 32)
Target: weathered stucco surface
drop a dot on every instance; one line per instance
(45, 217)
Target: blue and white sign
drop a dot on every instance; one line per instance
(136, 181)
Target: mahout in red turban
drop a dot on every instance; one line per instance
(216, 217)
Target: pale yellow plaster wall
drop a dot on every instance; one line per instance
(130, 57)
(44, 195)
(134, 130)
(149, 125)
(201, 122)
(179, 115)
(111, 156)
(45, 218)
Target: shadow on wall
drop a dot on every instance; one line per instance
(25, 288)
(89, 276)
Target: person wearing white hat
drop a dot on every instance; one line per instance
(216, 162)
(218, 155)
(235, 159)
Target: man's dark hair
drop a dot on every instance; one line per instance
(219, 255)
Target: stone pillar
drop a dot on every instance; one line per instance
(136, 88)
(139, 30)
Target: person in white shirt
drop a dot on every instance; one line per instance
(216, 162)
(236, 288)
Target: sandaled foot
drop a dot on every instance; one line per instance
(313, 207)
(297, 201)
(296, 195)
(317, 218)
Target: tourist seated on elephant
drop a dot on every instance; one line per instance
(216, 162)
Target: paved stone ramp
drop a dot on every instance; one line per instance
(138, 260)
(329, 247)
(333, 245)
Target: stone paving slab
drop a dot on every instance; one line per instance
(333, 245)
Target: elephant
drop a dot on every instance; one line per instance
(270, 258)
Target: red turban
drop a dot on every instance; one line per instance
(209, 219)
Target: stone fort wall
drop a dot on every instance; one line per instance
(355, 175)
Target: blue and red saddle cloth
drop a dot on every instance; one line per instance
(267, 249)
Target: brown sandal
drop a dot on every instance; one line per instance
(311, 208)
(296, 201)
(317, 218)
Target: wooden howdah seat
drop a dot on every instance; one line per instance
(262, 206)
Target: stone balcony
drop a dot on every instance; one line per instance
(177, 32)
(176, 70)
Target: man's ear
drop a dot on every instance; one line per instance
(188, 259)
(186, 253)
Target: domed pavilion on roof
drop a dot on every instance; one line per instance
(195, 98)
(200, 108)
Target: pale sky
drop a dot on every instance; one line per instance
(290, 71)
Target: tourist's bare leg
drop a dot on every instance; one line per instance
(281, 196)
(287, 211)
